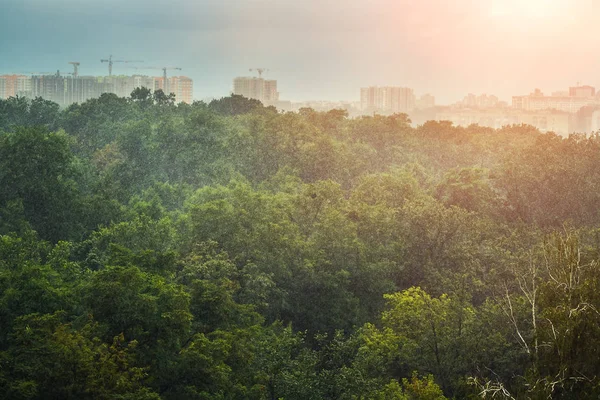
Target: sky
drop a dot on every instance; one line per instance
(316, 49)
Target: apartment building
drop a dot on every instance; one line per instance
(256, 88)
(387, 99)
(69, 89)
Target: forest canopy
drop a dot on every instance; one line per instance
(153, 250)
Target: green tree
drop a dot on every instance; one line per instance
(433, 333)
(49, 359)
(235, 105)
(36, 169)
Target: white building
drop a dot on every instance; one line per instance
(579, 97)
(387, 99)
(256, 88)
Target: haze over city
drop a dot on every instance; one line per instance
(321, 50)
(299, 200)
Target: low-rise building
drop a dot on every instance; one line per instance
(577, 98)
(558, 122)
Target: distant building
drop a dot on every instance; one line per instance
(595, 121)
(587, 120)
(282, 105)
(582, 91)
(353, 108)
(426, 101)
(483, 101)
(66, 90)
(561, 123)
(139, 81)
(123, 85)
(256, 88)
(183, 87)
(14, 85)
(470, 100)
(251, 88)
(577, 98)
(270, 92)
(387, 99)
(369, 98)
(50, 87)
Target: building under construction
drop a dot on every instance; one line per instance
(257, 87)
(69, 89)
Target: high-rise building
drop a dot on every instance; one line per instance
(270, 92)
(3, 87)
(368, 98)
(470, 100)
(482, 101)
(256, 88)
(121, 85)
(249, 87)
(83, 88)
(14, 85)
(50, 87)
(66, 90)
(387, 99)
(139, 81)
(183, 87)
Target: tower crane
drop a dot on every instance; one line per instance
(259, 70)
(75, 68)
(165, 81)
(110, 62)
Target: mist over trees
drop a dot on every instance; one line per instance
(153, 250)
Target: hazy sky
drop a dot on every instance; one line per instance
(317, 49)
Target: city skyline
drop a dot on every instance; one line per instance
(432, 46)
(461, 98)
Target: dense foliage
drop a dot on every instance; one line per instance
(152, 250)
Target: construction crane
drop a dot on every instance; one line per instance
(259, 70)
(110, 62)
(164, 70)
(75, 68)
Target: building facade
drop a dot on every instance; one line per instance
(14, 85)
(582, 91)
(577, 98)
(561, 123)
(69, 89)
(387, 99)
(50, 87)
(183, 87)
(256, 88)
(426, 101)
